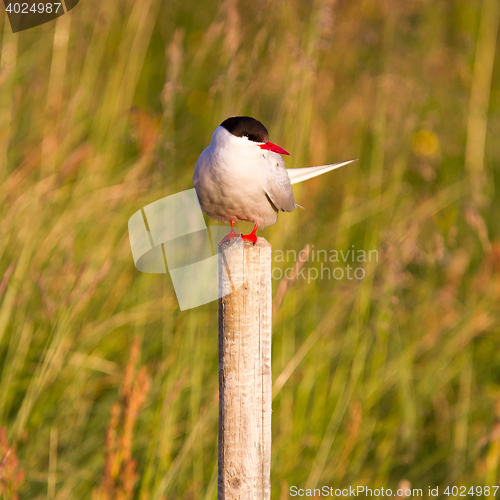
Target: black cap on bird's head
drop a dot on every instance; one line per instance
(246, 126)
(253, 130)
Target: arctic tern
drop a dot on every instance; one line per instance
(241, 176)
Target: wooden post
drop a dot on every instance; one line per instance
(245, 371)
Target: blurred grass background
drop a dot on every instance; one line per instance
(396, 376)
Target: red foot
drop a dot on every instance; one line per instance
(252, 237)
(231, 235)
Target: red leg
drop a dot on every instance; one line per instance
(231, 235)
(252, 236)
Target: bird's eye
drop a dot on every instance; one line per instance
(246, 135)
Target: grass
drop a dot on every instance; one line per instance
(393, 377)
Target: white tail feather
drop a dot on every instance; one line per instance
(303, 174)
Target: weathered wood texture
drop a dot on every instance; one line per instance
(245, 372)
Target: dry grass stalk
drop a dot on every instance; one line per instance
(120, 475)
(6, 278)
(353, 428)
(403, 486)
(11, 475)
(286, 282)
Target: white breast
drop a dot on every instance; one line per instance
(231, 178)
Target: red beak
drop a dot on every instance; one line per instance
(273, 147)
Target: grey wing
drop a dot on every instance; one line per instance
(279, 188)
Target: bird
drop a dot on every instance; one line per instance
(241, 176)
